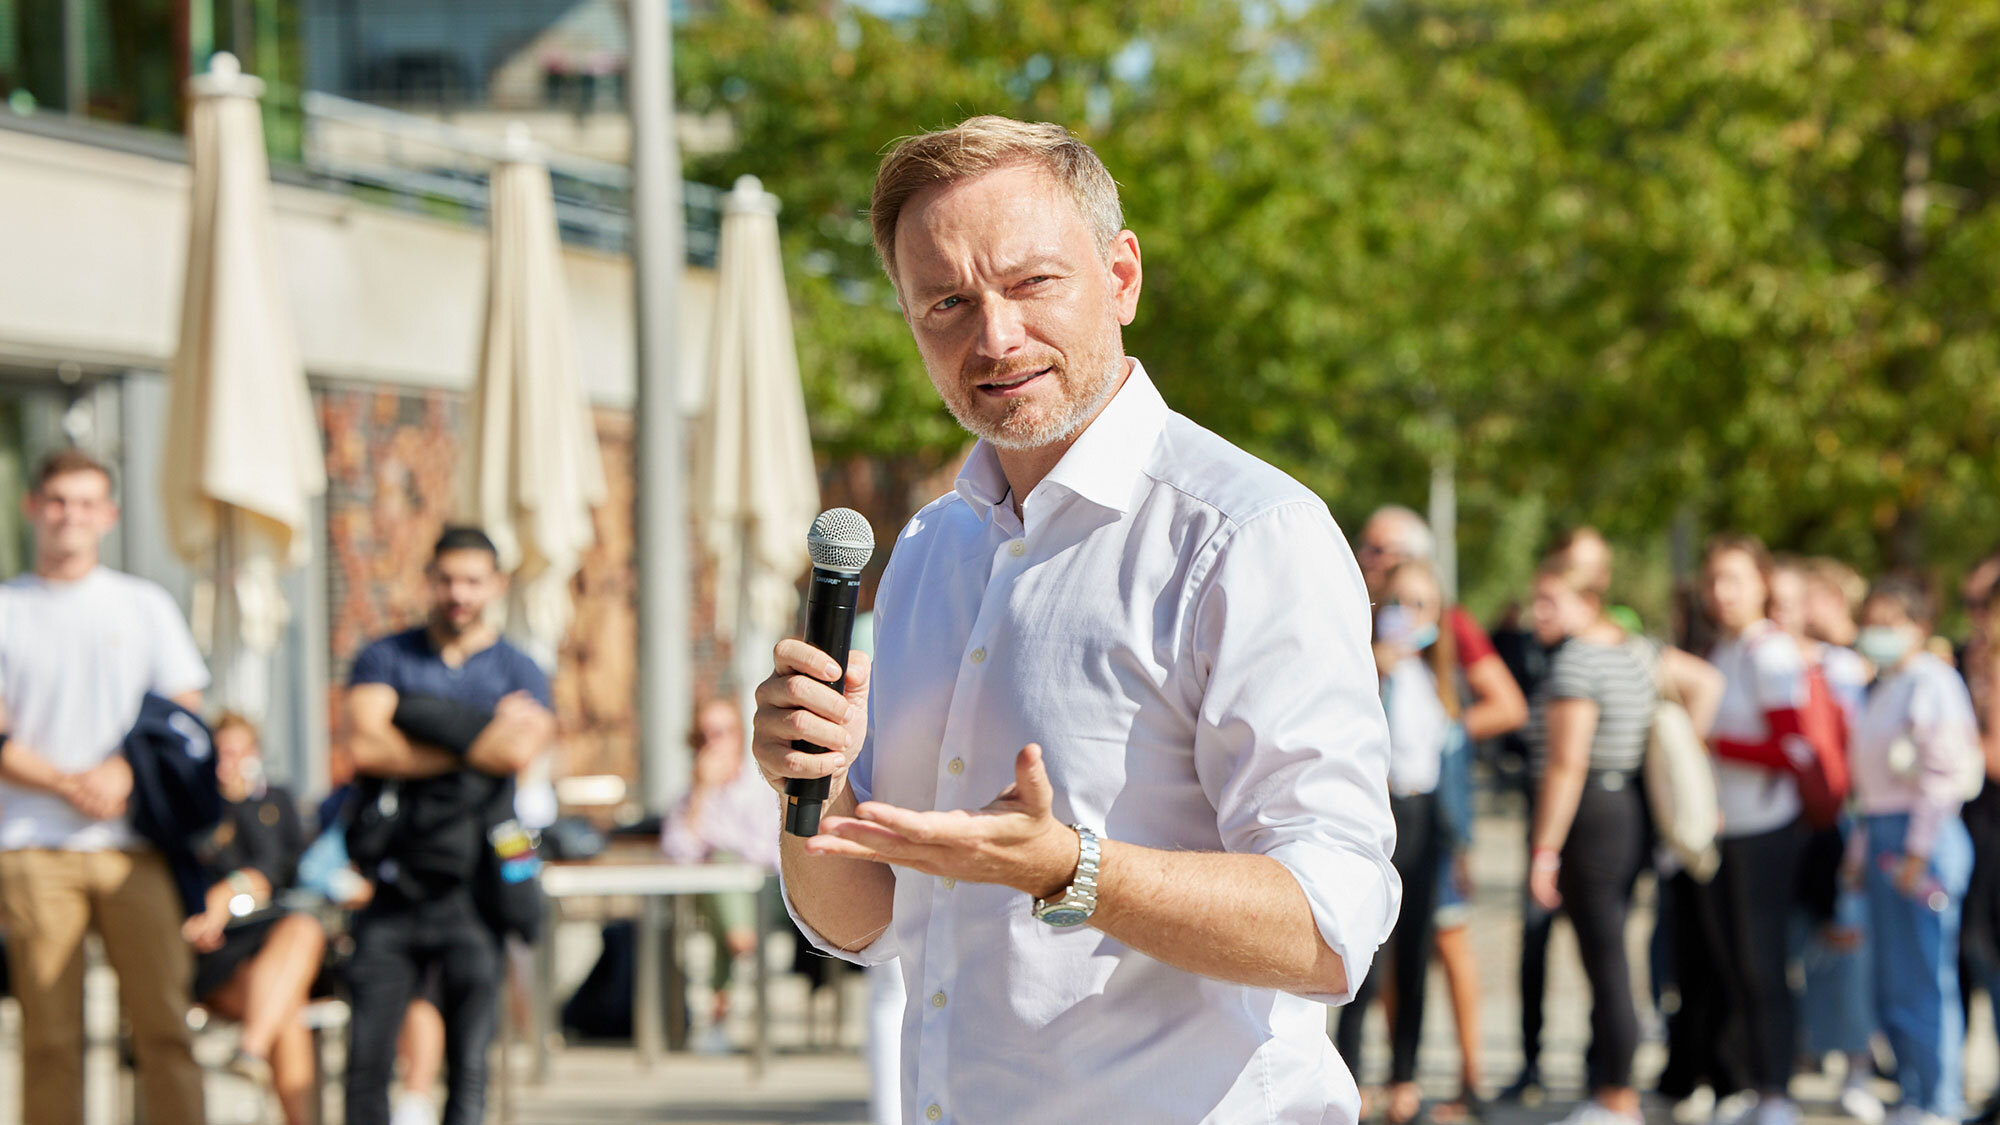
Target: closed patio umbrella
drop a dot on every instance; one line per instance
(756, 489)
(536, 473)
(242, 460)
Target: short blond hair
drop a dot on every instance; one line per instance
(982, 144)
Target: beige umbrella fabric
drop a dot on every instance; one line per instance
(756, 488)
(242, 460)
(536, 472)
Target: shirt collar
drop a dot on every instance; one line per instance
(1100, 467)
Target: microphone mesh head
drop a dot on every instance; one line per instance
(841, 540)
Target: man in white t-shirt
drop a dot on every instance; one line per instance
(80, 647)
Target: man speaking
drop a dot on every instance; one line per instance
(1115, 790)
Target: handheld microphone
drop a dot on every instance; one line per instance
(841, 542)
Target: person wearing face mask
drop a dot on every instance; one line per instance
(1591, 722)
(1420, 696)
(1916, 759)
(1748, 1043)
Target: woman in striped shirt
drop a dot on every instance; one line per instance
(1589, 727)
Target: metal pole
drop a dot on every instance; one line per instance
(657, 262)
(76, 59)
(1444, 520)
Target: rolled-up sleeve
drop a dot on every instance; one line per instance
(1291, 744)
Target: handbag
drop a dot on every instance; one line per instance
(1680, 783)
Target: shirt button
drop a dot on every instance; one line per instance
(937, 999)
(1017, 548)
(949, 882)
(934, 1112)
(956, 765)
(979, 656)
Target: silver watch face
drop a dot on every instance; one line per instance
(1062, 916)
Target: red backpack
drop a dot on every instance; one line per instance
(1823, 780)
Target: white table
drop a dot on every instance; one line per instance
(652, 883)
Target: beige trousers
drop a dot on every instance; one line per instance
(48, 900)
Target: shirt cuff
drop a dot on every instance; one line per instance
(877, 952)
(1927, 813)
(1354, 901)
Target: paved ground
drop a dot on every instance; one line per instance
(824, 1084)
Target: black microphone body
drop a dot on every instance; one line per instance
(830, 606)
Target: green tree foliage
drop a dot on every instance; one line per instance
(1619, 259)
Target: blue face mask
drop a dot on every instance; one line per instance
(1395, 625)
(1884, 646)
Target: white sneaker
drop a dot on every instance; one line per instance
(1858, 1103)
(414, 1109)
(1778, 1111)
(1590, 1111)
(1697, 1108)
(1906, 1115)
(1736, 1109)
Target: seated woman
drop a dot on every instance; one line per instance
(256, 961)
(726, 816)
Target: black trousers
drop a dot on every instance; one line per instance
(1601, 860)
(394, 944)
(1735, 1026)
(1418, 852)
(1536, 924)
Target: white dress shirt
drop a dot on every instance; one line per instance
(1185, 632)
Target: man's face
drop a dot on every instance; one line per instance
(463, 584)
(71, 513)
(1380, 551)
(1014, 311)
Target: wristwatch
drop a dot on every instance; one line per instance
(1074, 908)
(243, 903)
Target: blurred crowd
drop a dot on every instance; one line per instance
(409, 892)
(1802, 764)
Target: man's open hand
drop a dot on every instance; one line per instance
(1015, 841)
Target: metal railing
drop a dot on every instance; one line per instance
(425, 164)
(419, 164)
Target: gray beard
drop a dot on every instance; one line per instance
(1060, 426)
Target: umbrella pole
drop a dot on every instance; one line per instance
(226, 629)
(749, 653)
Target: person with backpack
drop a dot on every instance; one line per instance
(1590, 724)
(1916, 760)
(82, 647)
(442, 717)
(1763, 742)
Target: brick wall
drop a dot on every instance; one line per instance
(391, 459)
